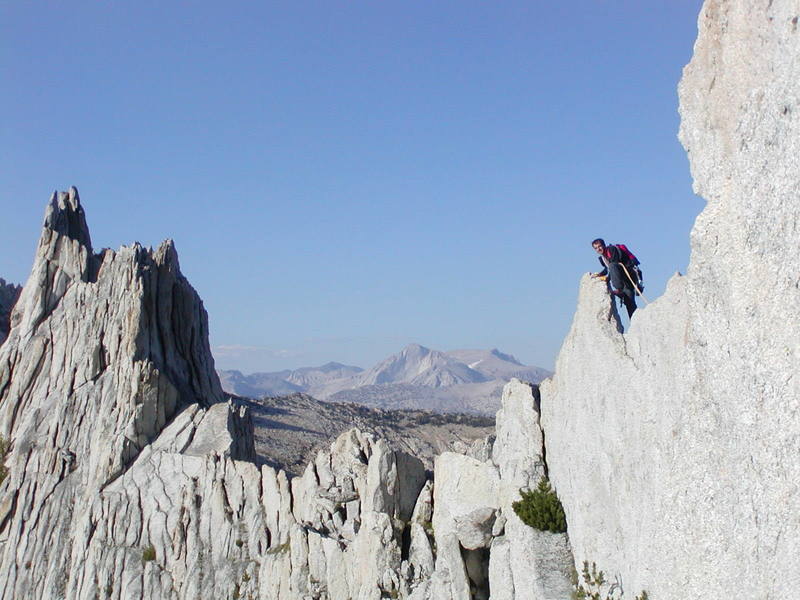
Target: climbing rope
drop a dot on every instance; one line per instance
(636, 287)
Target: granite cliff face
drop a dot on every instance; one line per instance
(675, 450)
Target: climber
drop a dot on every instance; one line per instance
(622, 270)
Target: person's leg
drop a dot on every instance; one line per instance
(616, 277)
(622, 287)
(629, 298)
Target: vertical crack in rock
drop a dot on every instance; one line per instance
(476, 529)
(537, 407)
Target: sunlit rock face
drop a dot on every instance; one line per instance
(675, 447)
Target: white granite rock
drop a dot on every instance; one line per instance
(517, 450)
(524, 563)
(103, 351)
(483, 548)
(674, 447)
(474, 530)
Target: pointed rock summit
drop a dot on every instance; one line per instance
(103, 351)
(418, 365)
(65, 217)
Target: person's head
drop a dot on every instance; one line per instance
(599, 245)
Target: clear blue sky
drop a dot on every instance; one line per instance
(341, 179)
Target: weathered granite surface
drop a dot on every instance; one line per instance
(104, 350)
(675, 447)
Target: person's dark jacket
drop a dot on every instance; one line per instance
(612, 254)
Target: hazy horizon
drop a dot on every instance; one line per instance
(231, 354)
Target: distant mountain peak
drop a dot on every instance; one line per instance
(415, 349)
(506, 357)
(331, 365)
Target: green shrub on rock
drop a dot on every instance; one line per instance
(148, 554)
(541, 508)
(3, 453)
(594, 586)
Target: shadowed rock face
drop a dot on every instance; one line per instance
(8, 297)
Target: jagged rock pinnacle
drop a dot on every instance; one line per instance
(103, 351)
(65, 216)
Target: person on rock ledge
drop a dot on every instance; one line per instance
(621, 269)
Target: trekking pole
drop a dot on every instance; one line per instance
(636, 287)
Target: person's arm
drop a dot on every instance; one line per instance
(602, 273)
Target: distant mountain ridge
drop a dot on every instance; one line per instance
(414, 378)
(283, 383)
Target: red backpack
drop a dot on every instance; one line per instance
(627, 253)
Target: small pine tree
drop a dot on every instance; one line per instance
(596, 587)
(541, 508)
(149, 553)
(3, 454)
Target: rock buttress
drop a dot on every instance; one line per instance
(675, 447)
